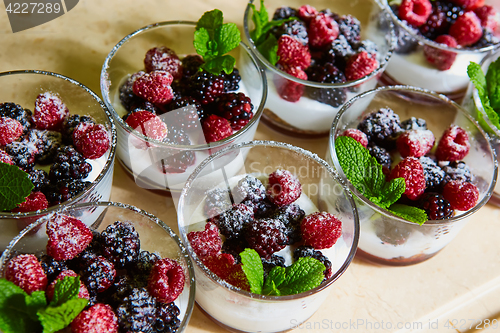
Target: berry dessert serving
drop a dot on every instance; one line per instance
(438, 39)
(266, 243)
(417, 171)
(316, 58)
(128, 272)
(176, 100)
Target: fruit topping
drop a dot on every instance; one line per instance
(155, 87)
(411, 170)
(436, 206)
(91, 140)
(461, 195)
(415, 12)
(415, 143)
(68, 237)
(50, 111)
(10, 130)
(166, 280)
(99, 318)
(356, 135)
(321, 230)
(148, 124)
(283, 188)
(441, 59)
(26, 272)
(453, 145)
(163, 59)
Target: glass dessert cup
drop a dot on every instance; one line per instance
(385, 238)
(234, 308)
(413, 69)
(22, 87)
(145, 158)
(155, 236)
(309, 117)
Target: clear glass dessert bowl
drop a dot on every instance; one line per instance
(156, 163)
(22, 88)
(386, 238)
(154, 236)
(304, 104)
(236, 308)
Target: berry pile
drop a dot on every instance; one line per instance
(264, 218)
(129, 290)
(50, 138)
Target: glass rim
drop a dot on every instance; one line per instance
(109, 161)
(443, 98)
(269, 66)
(105, 84)
(263, 143)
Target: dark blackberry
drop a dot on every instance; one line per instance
(234, 247)
(22, 153)
(392, 233)
(47, 144)
(232, 221)
(436, 206)
(191, 65)
(264, 208)
(69, 164)
(121, 287)
(231, 80)
(250, 189)
(338, 52)
(70, 124)
(367, 46)
(167, 317)
(457, 171)
(350, 28)
(451, 11)
(405, 42)
(381, 155)
(266, 236)
(17, 112)
(39, 178)
(205, 87)
(52, 267)
(97, 273)
(137, 312)
(295, 29)
(217, 201)
(381, 127)
(291, 216)
(414, 123)
(185, 112)
(329, 13)
(433, 174)
(283, 13)
(127, 97)
(436, 25)
(235, 107)
(64, 190)
(487, 39)
(177, 161)
(309, 251)
(145, 262)
(327, 73)
(273, 261)
(120, 243)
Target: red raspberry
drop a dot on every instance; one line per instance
(413, 173)
(441, 59)
(166, 280)
(10, 130)
(415, 143)
(148, 124)
(415, 12)
(206, 242)
(283, 188)
(26, 272)
(454, 144)
(238, 278)
(320, 230)
(467, 29)
(360, 65)
(34, 201)
(488, 16)
(99, 318)
(461, 195)
(216, 128)
(468, 4)
(163, 59)
(154, 87)
(6, 158)
(68, 237)
(306, 13)
(82, 293)
(91, 140)
(289, 90)
(292, 53)
(50, 111)
(220, 264)
(356, 135)
(322, 30)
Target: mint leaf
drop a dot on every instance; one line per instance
(215, 66)
(227, 37)
(35, 302)
(269, 49)
(15, 186)
(391, 191)
(478, 78)
(409, 213)
(201, 39)
(210, 21)
(55, 318)
(65, 290)
(260, 19)
(253, 269)
(493, 84)
(275, 278)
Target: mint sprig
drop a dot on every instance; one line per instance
(253, 269)
(366, 175)
(488, 88)
(15, 186)
(213, 39)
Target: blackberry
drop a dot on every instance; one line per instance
(249, 189)
(381, 127)
(47, 144)
(350, 28)
(436, 25)
(145, 262)
(436, 206)
(121, 287)
(414, 123)
(263, 208)
(64, 190)
(17, 112)
(52, 267)
(284, 13)
(309, 251)
(217, 201)
(368, 46)
(235, 107)
(291, 216)
(295, 29)
(120, 243)
(266, 236)
(451, 11)
(69, 164)
(392, 233)
(136, 313)
(231, 222)
(97, 273)
(231, 80)
(234, 247)
(338, 52)
(177, 161)
(39, 178)
(327, 73)
(22, 153)
(127, 97)
(205, 87)
(185, 112)
(167, 317)
(487, 39)
(191, 65)
(273, 261)
(70, 124)
(433, 174)
(381, 155)
(457, 171)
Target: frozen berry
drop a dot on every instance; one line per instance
(441, 59)
(68, 237)
(457, 170)
(249, 188)
(99, 318)
(381, 155)
(321, 230)
(283, 187)
(91, 140)
(6, 158)
(415, 143)
(488, 17)
(232, 222)
(350, 28)
(136, 312)
(167, 317)
(82, 293)
(23, 154)
(220, 264)
(292, 53)
(360, 65)
(205, 87)
(216, 128)
(356, 135)
(47, 144)
(69, 164)
(266, 236)
(50, 111)
(284, 12)
(273, 261)
(217, 201)
(435, 25)
(413, 123)
(162, 58)
(467, 4)
(17, 112)
(290, 91)
(327, 73)
(166, 280)
(413, 173)
(461, 195)
(154, 87)
(467, 29)
(120, 243)
(35, 201)
(10, 130)
(338, 52)
(191, 64)
(415, 12)
(291, 216)
(97, 273)
(52, 267)
(433, 174)
(322, 30)
(147, 124)
(206, 242)
(454, 144)
(69, 125)
(436, 206)
(381, 127)
(185, 112)
(26, 272)
(235, 107)
(295, 29)
(64, 190)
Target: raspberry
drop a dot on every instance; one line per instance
(292, 53)
(22, 153)
(415, 12)
(322, 30)
(69, 164)
(47, 144)
(327, 73)
(120, 243)
(186, 112)
(205, 87)
(289, 90)
(64, 190)
(206, 242)
(98, 273)
(162, 58)
(360, 65)
(467, 4)
(217, 201)
(306, 13)
(6, 158)
(436, 206)
(350, 27)
(436, 24)
(414, 124)
(235, 107)
(231, 80)
(461, 195)
(99, 318)
(10, 130)
(154, 87)
(26, 272)
(69, 125)
(467, 29)
(320, 230)
(381, 155)
(166, 280)
(457, 171)
(216, 128)
(167, 317)
(283, 188)
(413, 173)
(232, 222)
(237, 278)
(249, 188)
(91, 140)
(415, 143)
(441, 59)
(291, 216)
(50, 111)
(488, 17)
(68, 237)
(295, 29)
(16, 111)
(309, 251)
(220, 264)
(35, 201)
(266, 236)
(454, 144)
(356, 135)
(283, 13)
(148, 124)
(136, 312)
(82, 293)
(381, 127)
(433, 174)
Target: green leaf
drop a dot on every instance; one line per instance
(478, 78)
(65, 290)
(210, 21)
(269, 49)
(493, 84)
(409, 213)
(35, 302)
(391, 191)
(227, 37)
(15, 186)
(274, 279)
(253, 269)
(201, 39)
(55, 318)
(217, 65)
